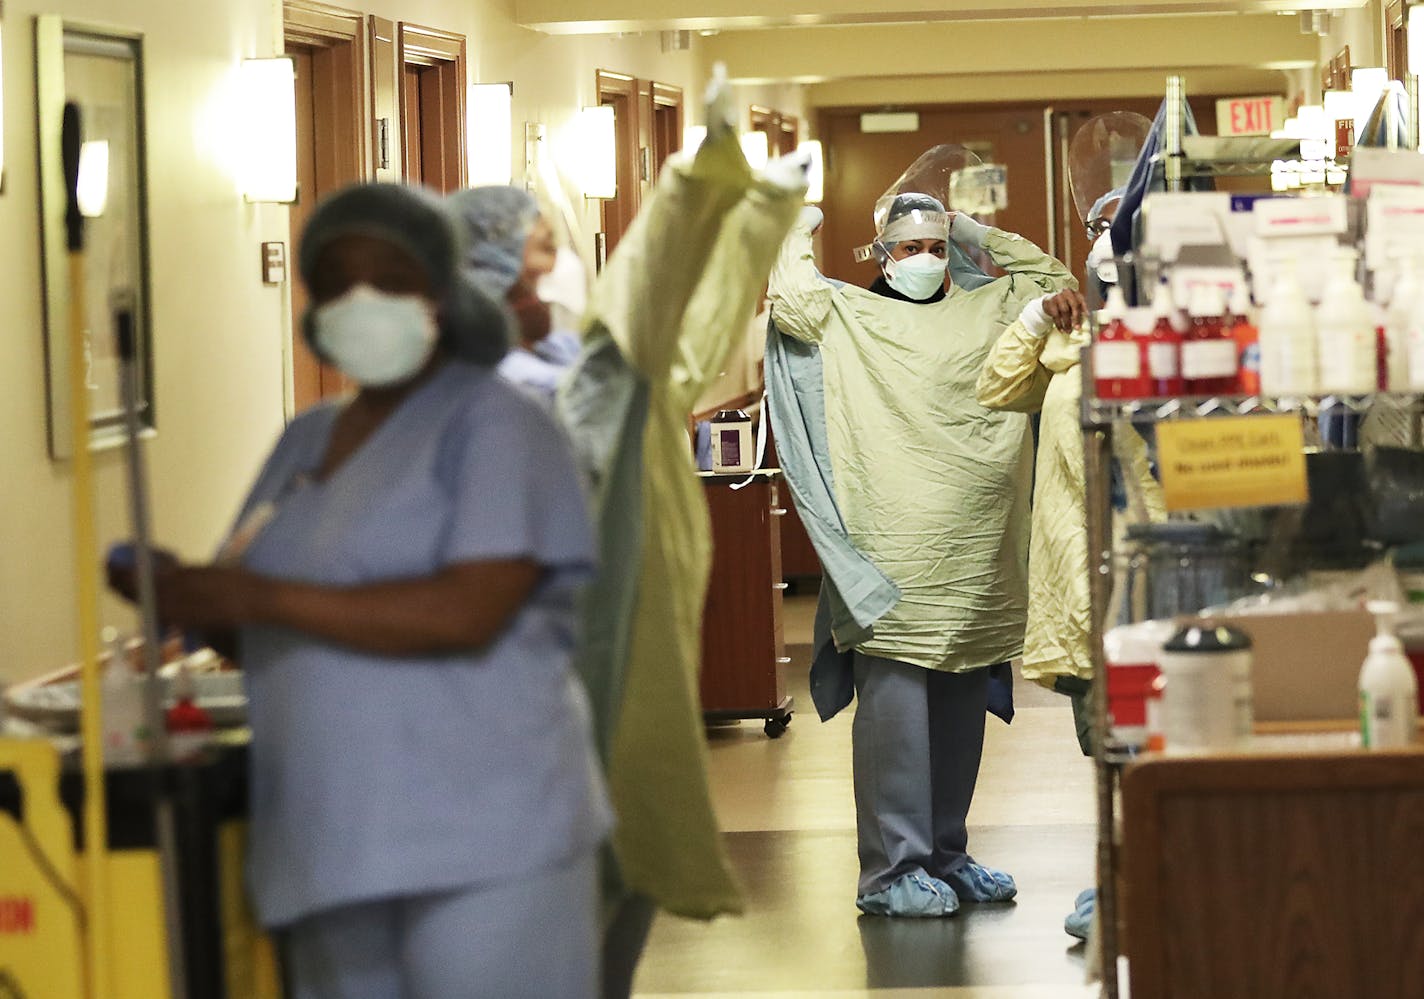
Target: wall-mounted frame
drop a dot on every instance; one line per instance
(102, 71)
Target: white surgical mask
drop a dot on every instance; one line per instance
(917, 277)
(1100, 259)
(376, 339)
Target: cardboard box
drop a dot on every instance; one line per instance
(1306, 667)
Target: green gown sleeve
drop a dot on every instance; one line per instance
(1013, 378)
(800, 298)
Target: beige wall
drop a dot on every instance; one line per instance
(1362, 29)
(221, 336)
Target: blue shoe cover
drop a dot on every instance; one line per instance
(1087, 896)
(1081, 919)
(913, 895)
(977, 883)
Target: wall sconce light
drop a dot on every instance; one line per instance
(92, 191)
(692, 138)
(490, 129)
(756, 149)
(816, 176)
(597, 148)
(269, 130)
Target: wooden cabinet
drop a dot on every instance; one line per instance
(743, 648)
(1275, 876)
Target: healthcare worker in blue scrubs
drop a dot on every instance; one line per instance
(510, 248)
(425, 801)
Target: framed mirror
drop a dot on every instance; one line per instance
(101, 71)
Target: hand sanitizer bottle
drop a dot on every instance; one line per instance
(1389, 693)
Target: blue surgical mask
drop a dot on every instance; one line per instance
(376, 339)
(916, 277)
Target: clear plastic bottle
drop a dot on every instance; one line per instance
(1248, 342)
(1401, 356)
(1163, 348)
(1119, 370)
(1208, 351)
(1287, 338)
(1345, 328)
(125, 742)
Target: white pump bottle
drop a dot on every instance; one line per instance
(1389, 692)
(1287, 339)
(1348, 345)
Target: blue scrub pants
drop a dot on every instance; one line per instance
(917, 740)
(533, 937)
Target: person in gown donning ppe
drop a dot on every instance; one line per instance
(672, 302)
(1034, 367)
(928, 497)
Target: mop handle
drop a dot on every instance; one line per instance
(139, 511)
(86, 584)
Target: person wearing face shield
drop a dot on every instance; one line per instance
(1034, 368)
(930, 495)
(1102, 267)
(510, 251)
(400, 585)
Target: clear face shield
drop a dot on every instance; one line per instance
(946, 179)
(1100, 160)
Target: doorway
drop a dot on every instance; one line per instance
(328, 47)
(620, 92)
(433, 107)
(862, 165)
(1030, 140)
(667, 124)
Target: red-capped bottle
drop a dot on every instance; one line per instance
(190, 727)
(1208, 351)
(1119, 369)
(1162, 346)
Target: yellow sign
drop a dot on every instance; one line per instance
(1232, 461)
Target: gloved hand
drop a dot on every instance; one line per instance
(720, 115)
(789, 172)
(1067, 310)
(811, 218)
(964, 230)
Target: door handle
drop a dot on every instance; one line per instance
(779, 586)
(778, 511)
(783, 660)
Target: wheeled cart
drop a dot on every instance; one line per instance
(743, 645)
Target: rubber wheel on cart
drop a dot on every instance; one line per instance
(775, 728)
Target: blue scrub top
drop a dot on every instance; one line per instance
(376, 776)
(532, 373)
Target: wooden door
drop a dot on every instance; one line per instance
(861, 166)
(667, 124)
(620, 92)
(329, 48)
(433, 107)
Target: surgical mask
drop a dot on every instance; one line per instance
(1100, 259)
(375, 338)
(916, 277)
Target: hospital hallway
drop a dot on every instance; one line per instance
(786, 808)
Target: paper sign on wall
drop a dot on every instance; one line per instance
(1232, 461)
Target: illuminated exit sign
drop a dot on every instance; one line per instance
(1250, 115)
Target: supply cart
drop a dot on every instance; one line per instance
(1101, 420)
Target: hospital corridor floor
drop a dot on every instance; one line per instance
(786, 808)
